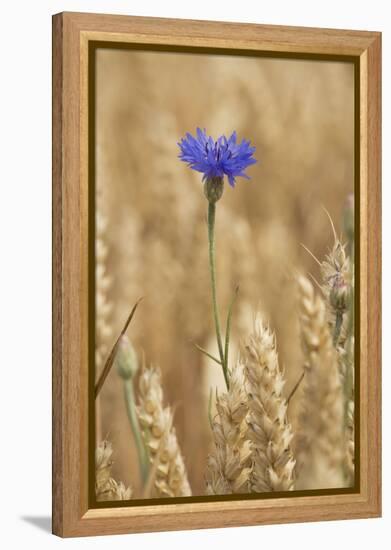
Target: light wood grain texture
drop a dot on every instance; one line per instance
(71, 34)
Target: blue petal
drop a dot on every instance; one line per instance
(217, 158)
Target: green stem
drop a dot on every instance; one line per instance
(349, 359)
(212, 265)
(131, 410)
(348, 380)
(337, 328)
(210, 409)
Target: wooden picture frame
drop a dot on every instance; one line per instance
(72, 35)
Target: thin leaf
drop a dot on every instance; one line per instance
(202, 350)
(228, 328)
(295, 387)
(110, 359)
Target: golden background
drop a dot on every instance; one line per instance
(151, 233)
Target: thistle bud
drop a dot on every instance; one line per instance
(339, 294)
(126, 359)
(213, 189)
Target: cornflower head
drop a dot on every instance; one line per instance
(216, 159)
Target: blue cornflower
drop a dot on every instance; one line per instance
(217, 158)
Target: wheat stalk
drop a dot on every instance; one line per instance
(160, 438)
(321, 447)
(268, 425)
(107, 488)
(229, 465)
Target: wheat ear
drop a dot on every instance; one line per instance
(107, 488)
(321, 447)
(103, 303)
(160, 438)
(268, 427)
(103, 284)
(229, 465)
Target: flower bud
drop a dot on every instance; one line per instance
(339, 294)
(213, 189)
(126, 359)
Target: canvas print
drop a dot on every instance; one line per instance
(224, 245)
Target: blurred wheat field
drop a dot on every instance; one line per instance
(151, 232)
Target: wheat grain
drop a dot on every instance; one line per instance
(107, 488)
(160, 438)
(321, 447)
(229, 465)
(268, 425)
